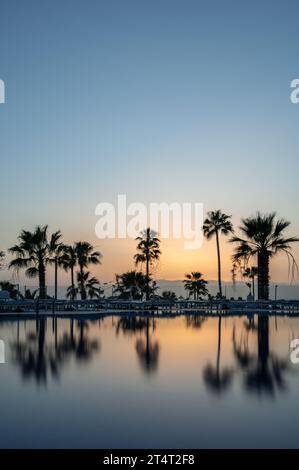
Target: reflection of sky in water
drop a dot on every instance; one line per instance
(125, 382)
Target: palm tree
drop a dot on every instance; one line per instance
(91, 285)
(196, 285)
(2, 256)
(148, 251)
(263, 237)
(168, 295)
(56, 252)
(68, 262)
(85, 255)
(251, 273)
(11, 289)
(131, 284)
(33, 253)
(29, 295)
(72, 292)
(217, 223)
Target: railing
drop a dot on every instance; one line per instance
(156, 307)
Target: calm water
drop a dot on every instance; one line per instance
(124, 382)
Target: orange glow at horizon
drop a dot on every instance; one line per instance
(174, 263)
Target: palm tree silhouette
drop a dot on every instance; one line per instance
(217, 223)
(131, 284)
(85, 255)
(84, 346)
(29, 295)
(264, 370)
(37, 357)
(148, 351)
(68, 262)
(216, 379)
(56, 252)
(2, 256)
(195, 284)
(130, 325)
(32, 354)
(11, 289)
(195, 321)
(168, 295)
(148, 251)
(33, 253)
(263, 237)
(91, 285)
(251, 273)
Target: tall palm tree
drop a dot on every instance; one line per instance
(215, 224)
(85, 256)
(33, 253)
(68, 262)
(263, 238)
(56, 252)
(195, 284)
(148, 251)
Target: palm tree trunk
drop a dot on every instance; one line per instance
(82, 287)
(42, 280)
(147, 277)
(55, 277)
(253, 288)
(72, 283)
(263, 276)
(148, 358)
(219, 265)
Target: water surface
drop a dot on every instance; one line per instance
(118, 382)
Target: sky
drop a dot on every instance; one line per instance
(165, 100)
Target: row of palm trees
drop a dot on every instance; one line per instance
(38, 249)
(261, 238)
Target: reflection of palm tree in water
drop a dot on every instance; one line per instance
(148, 351)
(264, 372)
(195, 321)
(216, 379)
(32, 355)
(37, 358)
(130, 325)
(85, 347)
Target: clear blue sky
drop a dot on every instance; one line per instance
(161, 100)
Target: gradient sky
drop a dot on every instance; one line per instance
(162, 101)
